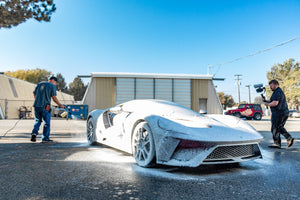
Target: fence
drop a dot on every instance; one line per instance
(11, 109)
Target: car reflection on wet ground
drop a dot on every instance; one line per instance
(71, 169)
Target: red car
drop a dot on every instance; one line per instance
(247, 110)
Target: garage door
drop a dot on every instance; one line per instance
(182, 92)
(125, 90)
(176, 90)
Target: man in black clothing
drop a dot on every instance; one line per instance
(280, 114)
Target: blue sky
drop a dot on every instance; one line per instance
(158, 36)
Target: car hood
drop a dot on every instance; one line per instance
(216, 128)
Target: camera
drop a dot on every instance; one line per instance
(259, 88)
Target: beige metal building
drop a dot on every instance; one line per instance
(16, 93)
(193, 91)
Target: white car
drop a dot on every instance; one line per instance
(163, 132)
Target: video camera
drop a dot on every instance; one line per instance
(260, 89)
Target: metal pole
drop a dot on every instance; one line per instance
(238, 82)
(249, 92)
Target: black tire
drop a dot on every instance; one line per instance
(143, 147)
(237, 114)
(257, 116)
(91, 132)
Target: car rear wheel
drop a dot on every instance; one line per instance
(91, 132)
(143, 147)
(257, 116)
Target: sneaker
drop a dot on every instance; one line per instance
(290, 142)
(277, 146)
(33, 138)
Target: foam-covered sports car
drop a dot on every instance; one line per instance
(163, 132)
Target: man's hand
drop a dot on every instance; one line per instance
(57, 102)
(62, 106)
(272, 104)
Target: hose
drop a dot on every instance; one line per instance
(14, 126)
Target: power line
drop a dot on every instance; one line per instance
(254, 54)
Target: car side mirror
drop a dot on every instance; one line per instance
(203, 112)
(116, 110)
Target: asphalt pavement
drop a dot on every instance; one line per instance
(71, 169)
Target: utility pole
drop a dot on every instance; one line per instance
(249, 92)
(238, 83)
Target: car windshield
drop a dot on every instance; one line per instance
(158, 107)
(242, 106)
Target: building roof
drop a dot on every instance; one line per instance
(150, 75)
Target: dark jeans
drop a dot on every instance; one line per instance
(278, 121)
(40, 115)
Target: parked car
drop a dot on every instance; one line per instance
(291, 112)
(163, 132)
(249, 111)
(295, 114)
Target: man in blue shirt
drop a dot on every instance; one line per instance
(43, 93)
(280, 114)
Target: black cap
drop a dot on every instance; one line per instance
(53, 78)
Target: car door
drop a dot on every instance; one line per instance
(248, 111)
(112, 128)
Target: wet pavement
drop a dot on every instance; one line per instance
(71, 169)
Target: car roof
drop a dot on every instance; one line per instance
(156, 107)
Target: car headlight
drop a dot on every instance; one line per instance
(171, 126)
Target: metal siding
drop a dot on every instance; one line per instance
(105, 92)
(199, 91)
(182, 92)
(124, 89)
(90, 95)
(144, 88)
(163, 89)
(214, 105)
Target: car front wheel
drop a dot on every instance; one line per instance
(91, 132)
(143, 147)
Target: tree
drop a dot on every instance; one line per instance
(258, 100)
(226, 100)
(77, 89)
(33, 75)
(61, 84)
(288, 76)
(15, 12)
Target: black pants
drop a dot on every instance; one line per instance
(278, 121)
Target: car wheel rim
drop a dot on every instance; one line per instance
(143, 145)
(90, 131)
(257, 116)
